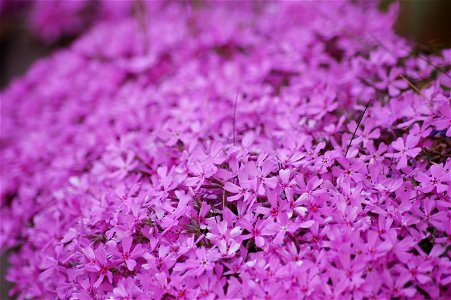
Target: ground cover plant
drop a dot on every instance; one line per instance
(230, 150)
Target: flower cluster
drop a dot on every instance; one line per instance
(236, 150)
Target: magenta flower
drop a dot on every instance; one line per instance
(200, 172)
(283, 226)
(376, 248)
(419, 270)
(246, 189)
(200, 217)
(96, 262)
(369, 133)
(162, 261)
(285, 181)
(438, 178)
(351, 169)
(204, 261)
(392, 81)
(127, 256)
(127, 289)
(228, 240)
(406, 148)
(397, 286)
(257, 231)
(270, 150)
(350, 272)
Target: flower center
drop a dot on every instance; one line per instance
(204, 262)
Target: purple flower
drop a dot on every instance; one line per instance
(225, 152)
(127, 256)
(203, 261)
(406, 148)
(392, 81)
(127, 289)
(96, 262)
(438, 178)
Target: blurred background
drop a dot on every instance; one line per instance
(24, 37)
(30, 29)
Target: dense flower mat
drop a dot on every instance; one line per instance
(230, 150)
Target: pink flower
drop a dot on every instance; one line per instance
(397, 286)
(127, 289)
(162, 261)
(376, 248)
(419, 270)
(392, 81)
(350, 271)
(283, 226)
(438, 178)
(369, 133)
(204, 261)
(257, 231)
(200, 217)
(246, 189)
(201, 171)
(125, 255)
(227, 239)
(406, 148)
(96, 261)
(223, 152)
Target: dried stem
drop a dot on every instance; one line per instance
(141, 18)
(413, 86)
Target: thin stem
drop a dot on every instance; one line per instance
(234, 119)
(413, 86)
(223, 199)
(141, 18)
(358, 124)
